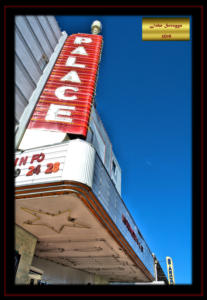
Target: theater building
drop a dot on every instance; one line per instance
(71, 223)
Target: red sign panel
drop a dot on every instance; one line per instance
(65, 102)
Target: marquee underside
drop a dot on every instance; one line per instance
(73, 229)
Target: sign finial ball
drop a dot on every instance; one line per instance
(96, 27)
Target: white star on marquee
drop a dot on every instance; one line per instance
(52, 220)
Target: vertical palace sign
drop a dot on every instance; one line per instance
(65, 102)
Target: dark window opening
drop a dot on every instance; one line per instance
(16, 261)
(113, 167)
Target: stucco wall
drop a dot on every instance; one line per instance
(58, 274)
(25, 244)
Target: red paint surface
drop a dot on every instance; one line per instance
(86, 88)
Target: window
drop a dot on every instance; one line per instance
(113, 167)
(98, 143)
(16, 261)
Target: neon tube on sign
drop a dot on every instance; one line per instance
(65, 102)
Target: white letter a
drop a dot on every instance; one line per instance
(71, 76)
(79, 50)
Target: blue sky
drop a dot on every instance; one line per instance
(143, 97)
